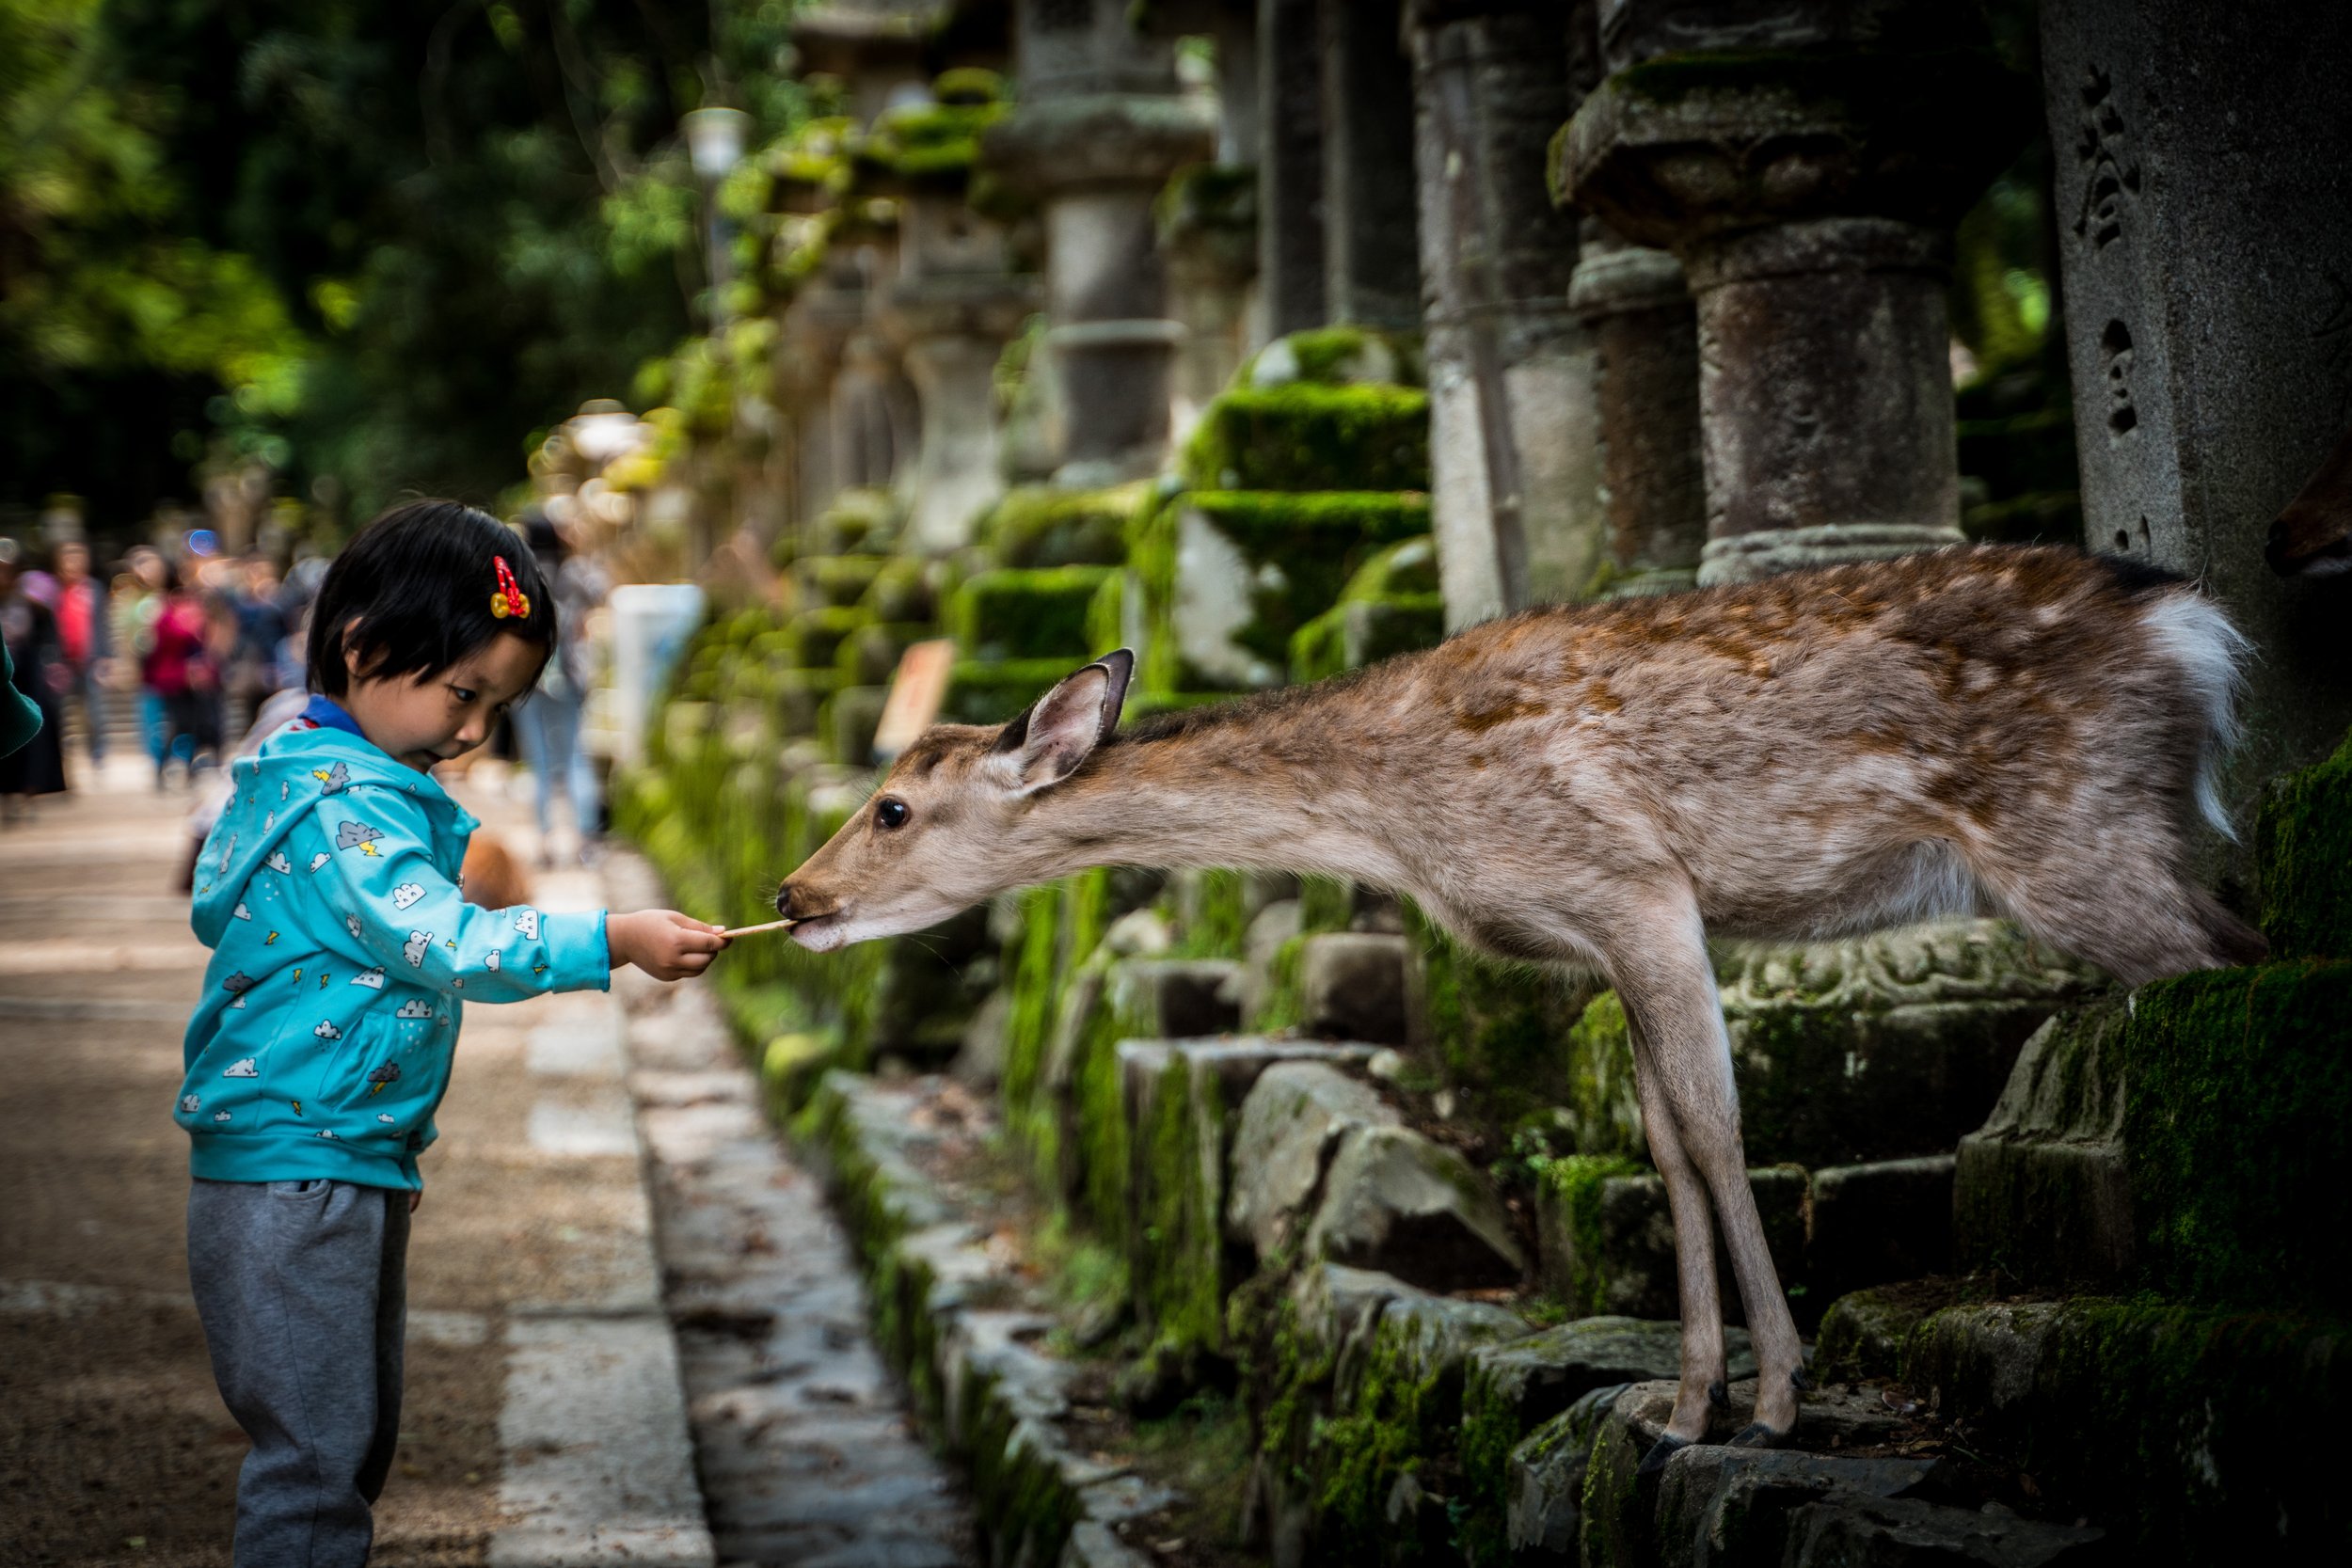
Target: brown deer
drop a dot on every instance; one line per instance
(2311, 536)
(2028, 732)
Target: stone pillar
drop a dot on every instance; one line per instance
(2204, 197)
(1805, 168)
(1645, 329)
(1208, 214)
(1290, 166)
(1371, 262)
(952, 313)
(1515, 493)
(1099, 129)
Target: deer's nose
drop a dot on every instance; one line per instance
(784, 900)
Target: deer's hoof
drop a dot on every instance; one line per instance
(1664, 1449)
(1755, 1434)
(1719, 1396)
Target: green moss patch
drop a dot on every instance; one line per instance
(980, 693)
(1040, 525)
(1024, 614)
(2237, 1130)
(1308, 436)
(2303, 845)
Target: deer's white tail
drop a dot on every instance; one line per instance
(2211, 653)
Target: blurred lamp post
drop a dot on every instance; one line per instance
(714, 139)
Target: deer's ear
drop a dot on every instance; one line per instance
(1060, 730)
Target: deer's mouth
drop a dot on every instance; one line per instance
(821, 933)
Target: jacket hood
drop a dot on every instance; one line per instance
(274, 789)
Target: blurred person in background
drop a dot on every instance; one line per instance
(37, 665)
(255, 669)
(179, 670)
(138, 599)
(548, 724)
(86, 632)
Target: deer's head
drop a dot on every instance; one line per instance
(954, 821)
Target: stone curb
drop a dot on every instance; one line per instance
(949, 1319)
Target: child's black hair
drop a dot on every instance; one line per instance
(411, 596)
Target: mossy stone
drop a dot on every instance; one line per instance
(2162, 1422)
(818, 634)
(1041, 525)
(2303, 847)
(1309, 436)
(983, 693)
(837, 581)
(1020, 614)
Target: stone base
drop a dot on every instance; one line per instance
(1768, 552)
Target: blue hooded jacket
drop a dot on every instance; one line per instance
(341, 951)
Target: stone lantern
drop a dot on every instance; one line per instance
(1806, 166)
(955, 305)
(1099, 128)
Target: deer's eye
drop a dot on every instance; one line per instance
(890, 812)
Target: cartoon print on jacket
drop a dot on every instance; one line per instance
(382, 935)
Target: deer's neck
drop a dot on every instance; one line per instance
(1224, 794)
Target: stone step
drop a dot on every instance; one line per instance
(2167, 1421)
(1606, 1239)
(948, 1315)
(1183, 1099)
(1875, 1048)
(2189, 1139)
(1517, 1387)
(1322, 1169)
(1364, 1406)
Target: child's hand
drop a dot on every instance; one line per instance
(664, 944)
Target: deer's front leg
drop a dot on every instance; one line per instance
(1667, 984)
(1703, 1363)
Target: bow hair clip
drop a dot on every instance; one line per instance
(510, 600)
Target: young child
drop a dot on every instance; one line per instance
(342, 955)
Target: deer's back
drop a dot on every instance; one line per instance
(1787, 730)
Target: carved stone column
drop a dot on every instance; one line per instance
(1514, 464)
(1290, 166)
(1645, 329)
(1806, 166)
(955, 305)
(1099, 129)
(2205, 237)
(1372, 263)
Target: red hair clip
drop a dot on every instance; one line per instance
(510, 600)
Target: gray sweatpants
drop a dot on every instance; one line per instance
(302, 1287)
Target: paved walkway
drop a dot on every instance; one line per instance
(545, 1424)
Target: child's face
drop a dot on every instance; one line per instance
(435, 718)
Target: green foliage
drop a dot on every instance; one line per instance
(371, 246)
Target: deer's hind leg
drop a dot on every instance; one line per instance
(2121, 901)
(1703, 1361)
(1662, 977)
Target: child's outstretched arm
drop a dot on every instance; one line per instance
(379, 876)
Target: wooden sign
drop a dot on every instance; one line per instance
(917, 691)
